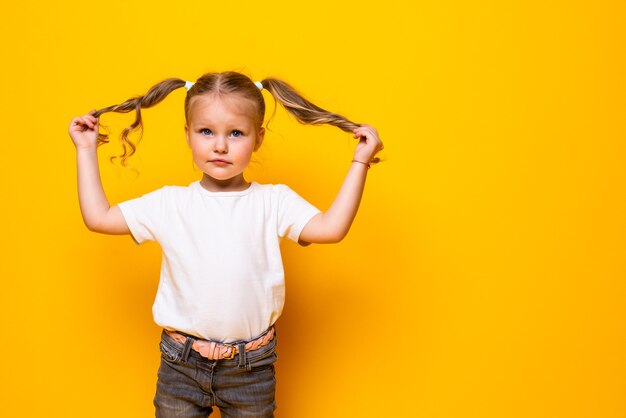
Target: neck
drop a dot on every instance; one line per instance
(234, 184)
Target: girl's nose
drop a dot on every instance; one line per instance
(220, 145)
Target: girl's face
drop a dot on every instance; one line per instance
(222, 135)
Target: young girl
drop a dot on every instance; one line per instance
(222, 282)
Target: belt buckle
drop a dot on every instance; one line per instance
(232, 355)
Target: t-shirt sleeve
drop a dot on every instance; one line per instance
(293, 213)
(144, 215)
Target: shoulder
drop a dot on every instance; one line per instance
(176, 190)
(164, 194)
(164, 191)
(283, 196)
(273, 189)
(276, 193)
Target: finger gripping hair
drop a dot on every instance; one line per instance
(156, 94)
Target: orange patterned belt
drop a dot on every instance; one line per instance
(218, 351)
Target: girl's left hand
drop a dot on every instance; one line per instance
(369, 143)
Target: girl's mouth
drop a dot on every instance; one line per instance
(219, 162)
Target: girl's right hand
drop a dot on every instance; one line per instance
(84, 131)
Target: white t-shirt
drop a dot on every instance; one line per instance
(222, 274)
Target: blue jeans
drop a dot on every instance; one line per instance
(189, 385)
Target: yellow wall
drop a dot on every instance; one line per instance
(484, 274)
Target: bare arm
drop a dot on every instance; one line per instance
(97, 214)
(333, 225)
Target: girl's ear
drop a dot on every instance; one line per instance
(187, 134)
(260, 136)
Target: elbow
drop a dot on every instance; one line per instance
(337, 236)
(89, 224)
(93, 226)
(324, 230)
(340, 237)
(329, 237)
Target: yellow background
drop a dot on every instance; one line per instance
(483, 276)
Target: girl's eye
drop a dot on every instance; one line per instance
(237, 133)
(205, 131)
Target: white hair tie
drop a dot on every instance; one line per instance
(259, 85)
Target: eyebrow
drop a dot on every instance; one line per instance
(197, 125)
(210, 122)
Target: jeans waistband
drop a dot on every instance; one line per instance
(213, 350)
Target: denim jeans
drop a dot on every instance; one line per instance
(189, 385)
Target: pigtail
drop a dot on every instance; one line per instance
(155, 95)
(304, 111)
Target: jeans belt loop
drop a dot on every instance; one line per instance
(242, 355)
(187, 348)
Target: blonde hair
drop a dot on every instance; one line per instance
(224, 83)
